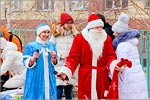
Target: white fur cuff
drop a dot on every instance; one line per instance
(105, 93)
(67, 71)
(41, 29)
(112, 66)
(27, 62)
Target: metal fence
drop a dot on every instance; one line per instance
(145, 54)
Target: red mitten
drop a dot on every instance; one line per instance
(128, 63)
(121, 63)
(124, 62)
(113, 89)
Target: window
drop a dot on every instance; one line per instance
(16, 5)
(108, 4)
(124, 3)
(147, 3)
(116, 4)
(45, 5)
(78, 5)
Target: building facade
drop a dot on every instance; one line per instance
(29, 13)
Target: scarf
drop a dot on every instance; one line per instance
(39, 40)
(124, 36)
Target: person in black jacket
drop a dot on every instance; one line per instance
(107, 27)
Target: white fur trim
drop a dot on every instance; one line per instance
(95, 23)
(94, 76)
(41, 29)
(105, 93)
(112, 66)
(27, 62)
(94, 63)
(46, 75)
(67, 71)
(84, 33)
(39, 40)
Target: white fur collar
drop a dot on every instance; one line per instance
(38, 39)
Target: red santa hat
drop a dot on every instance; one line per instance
(94, 21)
(65, 17)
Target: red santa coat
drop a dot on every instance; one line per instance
(93, 72)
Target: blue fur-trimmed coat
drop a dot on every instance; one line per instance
(35, 81)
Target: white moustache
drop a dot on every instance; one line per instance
(95, 34)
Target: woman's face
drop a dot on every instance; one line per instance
(68, 25)
(115, 34)
(45, 35)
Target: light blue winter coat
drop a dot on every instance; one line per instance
(40, 82)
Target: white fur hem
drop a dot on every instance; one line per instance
(112, 66)
(67, 71)
(95, 23)
(41, 29)
(105, 93)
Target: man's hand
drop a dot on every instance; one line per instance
(61, 76)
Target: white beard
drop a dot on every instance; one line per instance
(96, 40)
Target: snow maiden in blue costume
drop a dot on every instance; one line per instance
(40, 82)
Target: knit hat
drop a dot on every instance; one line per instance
(64, 18)
(94, 21)
(122, 24)
(41, 28)
(3, 43)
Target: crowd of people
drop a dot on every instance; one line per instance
(105, 57)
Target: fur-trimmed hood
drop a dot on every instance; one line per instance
(58, 30)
